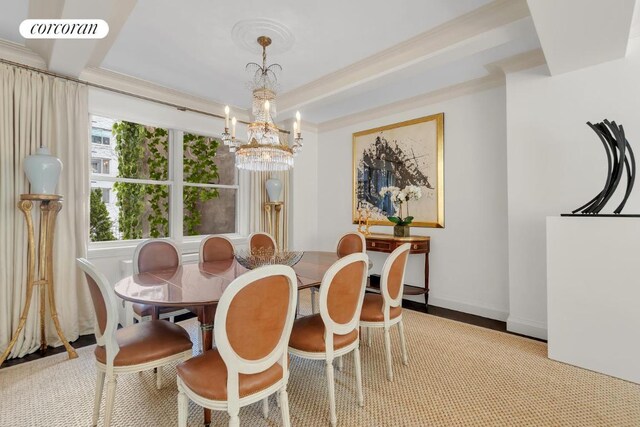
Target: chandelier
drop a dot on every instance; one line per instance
(264, 149)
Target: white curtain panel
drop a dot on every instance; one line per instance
(258, 197)
(35, 110)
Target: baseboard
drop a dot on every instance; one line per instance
(530, 328)
(464, 307)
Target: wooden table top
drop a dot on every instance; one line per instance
(203, 284)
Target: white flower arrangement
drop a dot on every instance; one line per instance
(398, 197)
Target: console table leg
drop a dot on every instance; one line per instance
(426, 281)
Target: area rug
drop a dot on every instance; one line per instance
(458, 375)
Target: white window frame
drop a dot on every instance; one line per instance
(175, 182)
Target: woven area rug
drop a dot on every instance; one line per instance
(458, 375)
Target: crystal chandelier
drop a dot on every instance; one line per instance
(264, 151)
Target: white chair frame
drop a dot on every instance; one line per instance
(108, 339)
(314, 290)
(130, 314)
(275, 245)
(331, 328)
(204, 241)
(237, 365)
(389, 302)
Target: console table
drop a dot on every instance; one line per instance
(387, 243)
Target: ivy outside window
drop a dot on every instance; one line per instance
(156, 174)
(209, 193)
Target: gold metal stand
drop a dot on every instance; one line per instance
(274, 221)
(50, 205)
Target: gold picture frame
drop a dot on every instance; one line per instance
(400, 154)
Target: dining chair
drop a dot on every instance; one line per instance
(216, 248)
(349, 243)
(262, 240)
(150, 255)
(213, 248)
(134, 348)
(384, 310)
(334, 331)
(250, 363)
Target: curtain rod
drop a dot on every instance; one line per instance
(121, 92)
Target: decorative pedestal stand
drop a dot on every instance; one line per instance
(274, 220)
(50, 205)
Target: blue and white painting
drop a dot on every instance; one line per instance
(397, 156)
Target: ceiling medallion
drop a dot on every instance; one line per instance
(264, 151)
(244, 34)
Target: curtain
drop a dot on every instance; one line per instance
(35, 110)
(257, 198)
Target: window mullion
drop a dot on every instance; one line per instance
(176, 189)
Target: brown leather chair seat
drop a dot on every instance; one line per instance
(143, 310)
(308, 335)
(147, 341)
(206, 375)
(372, 309)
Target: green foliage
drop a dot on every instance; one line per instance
(144, 150)
(157, 144)
(99, 222)
(199, 167)
(400, 221)
(130, 149)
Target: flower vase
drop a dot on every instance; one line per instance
(401, 230)
(43, 171)
(274, 189)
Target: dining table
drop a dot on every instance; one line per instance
(199, 286)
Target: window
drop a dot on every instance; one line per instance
(101, 130)
(100, 166)
(209, 193)
(147, 192)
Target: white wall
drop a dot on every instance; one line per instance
(556, 163)
(305, 194)
(469, 256)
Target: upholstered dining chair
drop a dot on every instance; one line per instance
(334, 331)
(150, 255)
(262, 240)
(216, 248)
(134, 348)
(384, 310)
(349, 243)
(250, 363)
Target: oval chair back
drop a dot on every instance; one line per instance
(262, 240)
(392, 277)
(216, 248)
(351, 243)
(341, 297)
(105, 305)
(255, 316)
(156, 254)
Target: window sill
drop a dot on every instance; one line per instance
(125, 248)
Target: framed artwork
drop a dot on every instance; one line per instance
(402, 154)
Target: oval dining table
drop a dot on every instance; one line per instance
(199, 287)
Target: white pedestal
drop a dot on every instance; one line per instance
(593, 294)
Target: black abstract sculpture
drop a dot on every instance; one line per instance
(620, 158)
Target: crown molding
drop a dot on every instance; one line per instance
(306, 126)
(133, 85)
(493, 15)
(454, 91)
(515, 63)
(17, 53)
